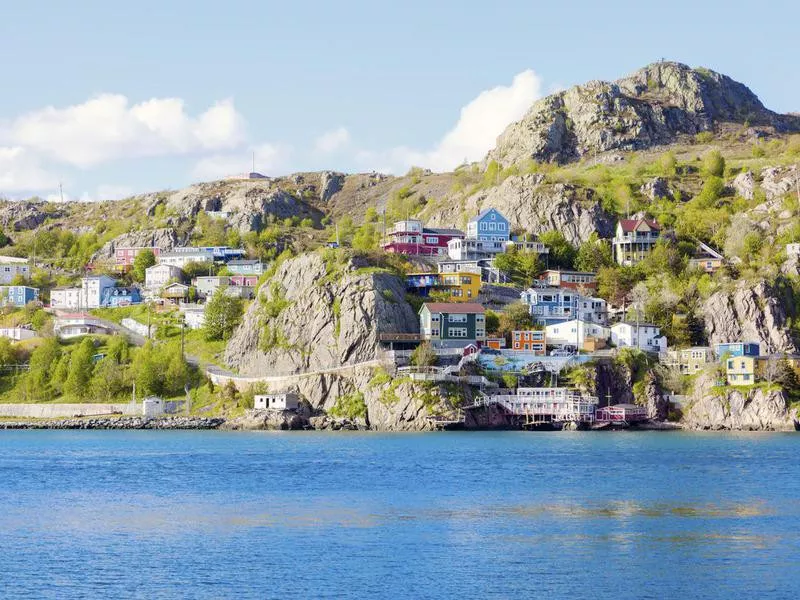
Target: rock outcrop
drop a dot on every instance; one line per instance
(536, 206)
(247, 205)
(656, 188)
(654, 106)
(330, 183)
(22, 216)
(165, 239)
(744, 184)
(749, 409)
(751, 312)
(777, 181)
(657, 405)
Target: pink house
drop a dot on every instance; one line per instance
(411, 237)
(244, 280)
(124, 256)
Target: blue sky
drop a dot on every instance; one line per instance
(112, 98)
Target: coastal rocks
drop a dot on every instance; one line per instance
(118, 423)
(613, 384)
(531, 203)
(752, 312)
(330, 183)
(656, 188)
(281, 420)
(657, 405)
(653, 106)
(749, 409)
(314, 315)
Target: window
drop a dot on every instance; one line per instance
(483, 226)
(746, 377)
(435, 332)
(457, 332)
(457, 318)
(491, 226)
(742, 365)
(527, 347)
(501, 226)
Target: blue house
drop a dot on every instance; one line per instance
(489, 225)
(120, 296)
(737, 349)
(18, 295)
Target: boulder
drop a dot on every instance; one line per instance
(744, 184)
(777, 181)
(330, 183)
(656, 188)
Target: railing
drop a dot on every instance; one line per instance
(400, 337)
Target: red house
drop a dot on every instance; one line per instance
(411, 237)
(244, 280)
(124, 256)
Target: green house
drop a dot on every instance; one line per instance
(452, 324)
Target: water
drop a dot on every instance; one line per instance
(498, 515)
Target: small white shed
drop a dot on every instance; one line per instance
(279, 401)
(152, 406)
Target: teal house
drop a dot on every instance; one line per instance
(452, 325)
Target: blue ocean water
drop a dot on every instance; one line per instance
(110, 514)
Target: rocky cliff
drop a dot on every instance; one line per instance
(654, 106)
(750, 409)
(530, 203)
(753, 312)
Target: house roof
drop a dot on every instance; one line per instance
(567, 272)
(632, 224)
(244, 261)
(485, 212)
(706, 251)
(13, 259)
(468, 308)
(443, 231)
(633, 324)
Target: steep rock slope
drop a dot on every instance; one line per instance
(317, 315)
(537, 207)
(653, 106)
(751, 312)
(750, 409)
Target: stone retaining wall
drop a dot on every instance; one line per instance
(56, 411)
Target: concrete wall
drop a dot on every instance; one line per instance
(54, 411)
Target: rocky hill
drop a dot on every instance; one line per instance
(655, 106)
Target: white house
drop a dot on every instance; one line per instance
(17, 334)
(66, 297)
(184, 257)
(152, 406)
(649, 336)
(94, 288)
(194, 315)
(158, 276)
(206, 286)
(11, 266)
(280, 401)
(574, 333)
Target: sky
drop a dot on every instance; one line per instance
(109, 99)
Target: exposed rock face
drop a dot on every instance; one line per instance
(752, 409)
(651, 107)
(537, 207)
(270, 419)
(656, 188)
(744, 184)
(165, 239)
(749, 313)
(21, 216)
(329, 319)
(248, 204)
(613, 384)
(777, 181)
(657, 405)
(330, 183)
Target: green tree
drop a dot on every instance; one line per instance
(492, 321)
(424, 355)
(223, 314)
(520, 266)
(146, 372)
(593, 254)
(615, 283)
(177, 373)
(198, 269)
(668, 164)
(562, 253)
(80, 370)
(516, 316)
(714, 163)
(109, 380)
(37, 386)
(143, 260)
(8, 353)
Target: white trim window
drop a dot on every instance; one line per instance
(457, 332)
(457, 318)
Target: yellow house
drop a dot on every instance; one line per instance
(741, 370)
(460, 287)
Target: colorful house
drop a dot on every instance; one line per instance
(175, 292)
(461, 287)
(125, 255)
(706, 258)
(208, 285)
(244, 280)
(687, 360)
(246, 267)
(120, 296)
(446, 324)
(741, 370)
(569, 279)
(634, 240)
(11, 266)
(496, 343)
(531, 340)
(644, 336)
(737, 349)
(413, 238)
(18, 295)
(221, 253)
(549, 305)
(489, 225)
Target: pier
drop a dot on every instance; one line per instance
(540, 406)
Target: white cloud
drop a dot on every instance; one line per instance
(113, 192)
(20, 171)
(270, 159)
(475, 133)
(108, 127)
(332, 140)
